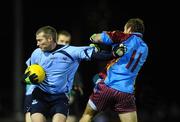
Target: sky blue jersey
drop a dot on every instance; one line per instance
(122, 72)
(60, 66)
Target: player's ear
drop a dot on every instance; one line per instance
(49, 38)
(129, 30)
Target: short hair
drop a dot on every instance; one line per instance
(136, 24)
(64, 32)
(48, 31)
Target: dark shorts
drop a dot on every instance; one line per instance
(104, 97)
(49, 104)
(27, 103)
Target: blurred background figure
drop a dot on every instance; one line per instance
(64, 37)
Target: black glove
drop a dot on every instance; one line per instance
(30, 79)
(119, 50)
(96, 47)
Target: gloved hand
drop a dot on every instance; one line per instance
(119, 50)
(97, 49)
(92, 37)
(30, 78)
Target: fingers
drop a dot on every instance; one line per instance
(33, 78)
(124, 47)
(120, 50)
(95, 46)
(33, 75)
(92, 38)
(27, 73)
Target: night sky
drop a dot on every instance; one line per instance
(157, 82)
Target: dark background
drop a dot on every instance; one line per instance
(157, 84)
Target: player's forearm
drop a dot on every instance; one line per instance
(117, 52)
(102, 55)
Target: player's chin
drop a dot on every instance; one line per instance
(43, 49)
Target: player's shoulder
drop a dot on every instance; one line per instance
(37, 51)
(143, 43)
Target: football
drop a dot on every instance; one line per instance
(38, 70)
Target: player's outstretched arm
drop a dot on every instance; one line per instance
(103, 55)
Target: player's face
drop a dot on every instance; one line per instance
(63, 40)
(43, 42)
